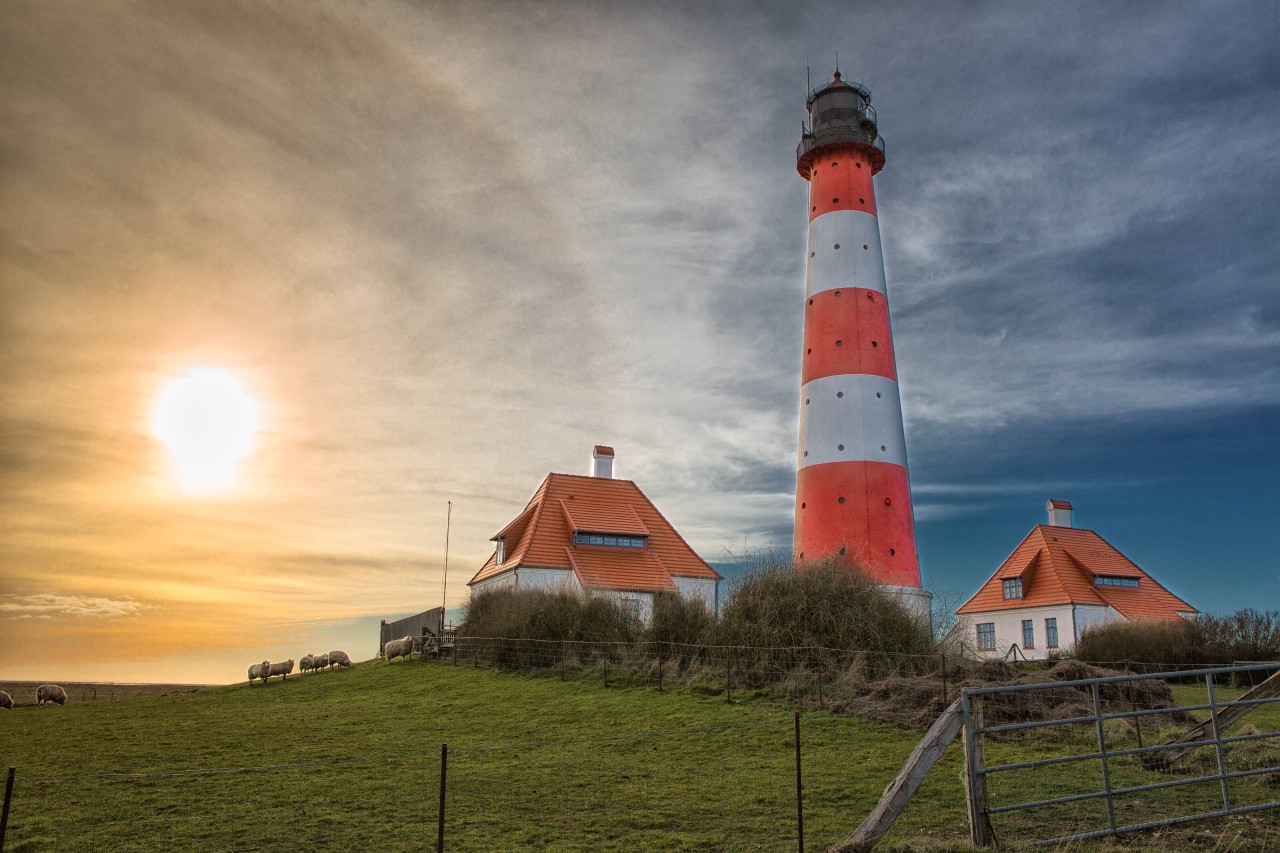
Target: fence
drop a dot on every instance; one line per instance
(1125, 761)
(749, 785)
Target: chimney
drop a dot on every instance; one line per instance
(602, 462)
(1059, 513)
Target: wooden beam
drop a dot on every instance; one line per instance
(895, 798)
(1165, 758)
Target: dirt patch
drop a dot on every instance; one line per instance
(918, 700)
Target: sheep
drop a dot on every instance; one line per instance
(307, 663)
(282, 669)
(6, 701)
(259, 670)
(49, 693)
(398, 648)
(338, 659)
(321, 661)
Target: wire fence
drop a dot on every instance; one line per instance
(750, 785)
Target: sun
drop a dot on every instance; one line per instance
(208, 422)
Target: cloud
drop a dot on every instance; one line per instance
(46, 605)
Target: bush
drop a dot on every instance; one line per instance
(826, 604)
(681, 620)
(1248, 634)
(548, 615)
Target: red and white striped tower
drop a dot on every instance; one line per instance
(852, 494)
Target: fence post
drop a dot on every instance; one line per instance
(728, 679)
(1102, 751)
(975, 782)
(562, 656)
(799, 792)
(8, 798)
(662, 664)
(606, 665)
(818, 665)
(444, 764)
(945, 703)
(1217, 742)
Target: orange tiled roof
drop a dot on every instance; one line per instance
(542, 535)
(1058, 565)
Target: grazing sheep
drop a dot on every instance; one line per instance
(47, 693)
(307, 663)
(282, 669)
(398, 648)
(259, 670)
(6, 701)
(321, 661)
(338, 659)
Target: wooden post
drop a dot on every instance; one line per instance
(562, 656)
(944, 678)
(799, 792)
(606, 665)
(728, 679)
(444, 764)
(900, 790)
(8, 798)
(975, 783)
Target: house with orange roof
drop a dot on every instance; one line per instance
(600, 534)
(1059, 581)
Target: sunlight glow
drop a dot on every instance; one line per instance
(208, 422)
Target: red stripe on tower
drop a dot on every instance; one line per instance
(853, 496)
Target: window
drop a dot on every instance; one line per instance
(1013, 587)
(1051, 633)
(502, 551)
(632, 605)
(1028, 634)
(986, 635)
(1112, 580)
(610, 541)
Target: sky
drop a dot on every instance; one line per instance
(447, 247)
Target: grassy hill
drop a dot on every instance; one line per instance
(351, 759)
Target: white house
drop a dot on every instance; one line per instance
(600, 534)
(1059, 581)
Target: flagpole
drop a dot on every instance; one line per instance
(444, 591)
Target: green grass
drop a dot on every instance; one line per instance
(351, 760)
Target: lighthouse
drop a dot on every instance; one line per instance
(853, 497)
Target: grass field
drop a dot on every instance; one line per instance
(351, 760)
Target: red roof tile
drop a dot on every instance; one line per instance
(1058, 566)
(567, 503)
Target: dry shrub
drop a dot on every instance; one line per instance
(680, 620)
(543, 618)
(815, 614)
(1245, 635)
(918, 700)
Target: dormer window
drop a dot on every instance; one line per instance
(1113, 580)
(502, 550)
(608, 540)
(1013, 587)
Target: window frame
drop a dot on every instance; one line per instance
(1014, 585)
(1028, 633)
(1051, 632)
(986, 636)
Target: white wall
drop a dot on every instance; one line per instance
(1009, 630)
(703, 589)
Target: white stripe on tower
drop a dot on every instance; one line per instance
(853, 497)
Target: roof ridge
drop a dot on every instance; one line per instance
(531, 529)
(673, 529)
(591, 477)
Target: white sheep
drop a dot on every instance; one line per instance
(338, 659)
(398, 648)
(281, 668)
(321, 661)
(307, 663)
(6, 701)
(49, 693)
(259, 670)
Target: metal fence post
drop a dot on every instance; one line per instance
(1217, 743)
(799, 792)
(444, 764)
(8, 798)
(1102, 752)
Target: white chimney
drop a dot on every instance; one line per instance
(1059, 513)
(602, 462)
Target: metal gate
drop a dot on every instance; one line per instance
(1118, 763)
